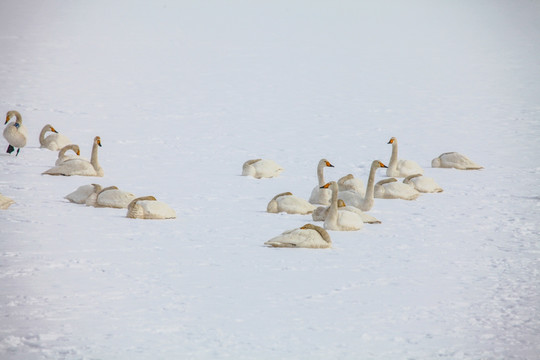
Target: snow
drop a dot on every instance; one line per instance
(183, 92)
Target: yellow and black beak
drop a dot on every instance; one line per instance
(53, 130)
(325, 186)
(382, 165)
(391, 141)
(328, 164)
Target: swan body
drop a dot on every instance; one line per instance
(318, 195)
(54, 141)
(392, 189)
(401, 168)
(455, 160)
(147, 207)
(261, 168)
(340, 220)
(422, 183)
(287, 202)
(82, 193)
(62, 157)
(349, 182)
(364, 203)
(113, 197)
(308, 236)
(5, 202)
(80, 166)
(319, 214)
(15, 132)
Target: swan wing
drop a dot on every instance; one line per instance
(302, 238)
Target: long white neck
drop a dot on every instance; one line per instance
(394, 158)
(320, 173)
(42, 134)
(94, 158)
(332, 215)
(370, 189)
(63, 151)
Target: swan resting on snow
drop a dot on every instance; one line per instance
(320, 213)
(455, 160)
(111, 197)
(308, 236)
(80, 166)
(350, 183)
(287, 202)
(364, 203)
(401, 168)
(261, 168)
(5, 202)
(82, 193)
(62, 157)
(147, 207)
(422, 183)
(54, 141)
(15, 132)
(392, 189)
(318, 195)
(340, 220)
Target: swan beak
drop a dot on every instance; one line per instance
(53, 130)
(328, 164)
(7, 120)
(391, 141)
(78, 153)
(382, 165)
(99, 142)
(325, 186)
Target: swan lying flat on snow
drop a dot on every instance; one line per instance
(401, 168)
(318, 195)
(82, 193)
(261, 168)
(80, 166)
(320, 213)
(62, 157)
(350, 183)
(392, 189)
(308, 236)
(454, 160)
(54, 141)
(15, 133)
(5, 202)
(147, 207)
(422, 183)
(113, 197)
(364, 203)
(287, 202)
(340, 220)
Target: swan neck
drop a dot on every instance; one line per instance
(94, 158)
(42, 134)
(320, 174)
(370, 189)
(333, 210)
(394, 157)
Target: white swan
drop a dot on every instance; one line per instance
(392, 189)
(364, 203)
(455, 160)
(318, 195)
(80, 166)
(261, 168)
(54, 141)
(422, 183)
(287, 202)
(401, 168)
(340, 220)
(5, 202)
(15, 133)
(308, 236)
(349, 182)
(113, 197)
(319, 214)
(82, 193)
(147, 207)
(62, 157)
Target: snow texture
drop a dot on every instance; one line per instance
(182, 93)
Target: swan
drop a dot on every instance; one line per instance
(62, 157)
(349, 182)
(15, 133)
(401, 168)
(308, 236)
(319, 214)
(364, 203)
(455, 160)
(340, 220)
(113, 197)
(422, 183)
(287, 202)
(82, 193)
(318, 195)
(261, 168)
(392, 189)
(5, 202)
(54, 141)
(147, 207)
(79, 166)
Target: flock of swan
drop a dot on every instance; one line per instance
(145, 207)
(342, 205)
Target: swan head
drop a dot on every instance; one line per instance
(329, 185)
(52, 129)
(379, 164)
(97, 140)
(392, 140)
(12, 113)
(341, 203)
(326, 163)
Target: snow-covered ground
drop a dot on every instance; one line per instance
(183, 92)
